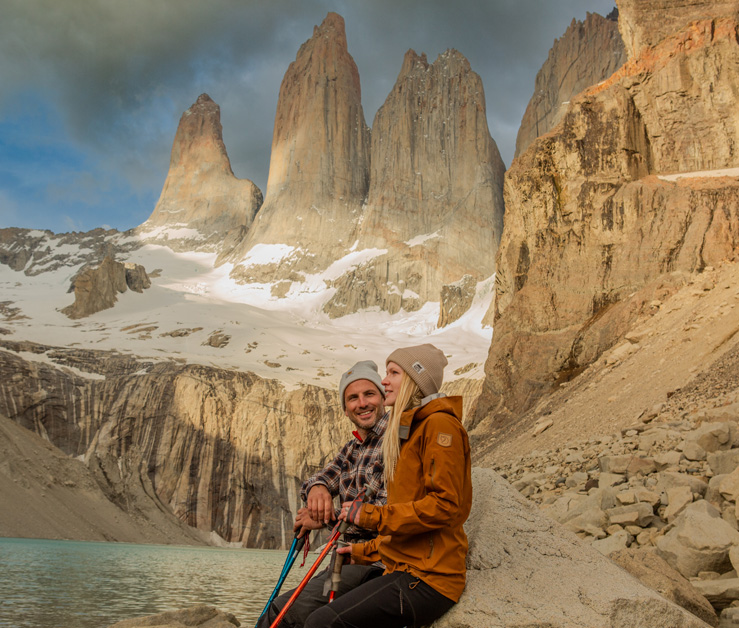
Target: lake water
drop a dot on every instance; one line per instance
(78, 584)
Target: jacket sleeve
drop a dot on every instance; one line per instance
(445, 459)
(368, 552)
(329, 476)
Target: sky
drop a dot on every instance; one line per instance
(93, 90)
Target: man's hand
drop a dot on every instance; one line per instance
(320, 504)
(304, 523)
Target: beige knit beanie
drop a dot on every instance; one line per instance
(424, 365)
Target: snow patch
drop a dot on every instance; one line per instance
(173, 232)
(724, 172)
(289, 339)
(420, 239)
(261, 254)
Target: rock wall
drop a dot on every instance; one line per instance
(435, 208)
(588, 222)
(644, 24)
(319, 165)
(586, 54)
(201, 191)
(62, 499)
(97, 289)
(225, 451)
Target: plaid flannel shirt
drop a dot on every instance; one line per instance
(357, 464)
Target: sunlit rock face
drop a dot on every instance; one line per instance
(319, 166)
(225, 451)
(646, 23)
(586, 54)
(201, 192)
(435, 208)
(590, 225)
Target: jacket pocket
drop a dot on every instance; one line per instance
(431, 547)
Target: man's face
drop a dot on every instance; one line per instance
(364, 404)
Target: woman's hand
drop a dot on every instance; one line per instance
(345, 549)
(350, 514)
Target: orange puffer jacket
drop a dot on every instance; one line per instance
(421, 527)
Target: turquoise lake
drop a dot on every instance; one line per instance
(77, 584)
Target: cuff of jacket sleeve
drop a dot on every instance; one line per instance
(358, 554)
(369, 516)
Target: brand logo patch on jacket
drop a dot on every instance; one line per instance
(445, 440)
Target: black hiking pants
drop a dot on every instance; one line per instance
(392, 601)
(312, 597)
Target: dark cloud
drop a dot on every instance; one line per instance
(120, 74)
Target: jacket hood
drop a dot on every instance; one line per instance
(449, 405)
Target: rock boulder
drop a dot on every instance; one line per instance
(97, 289)
(526, 570)
(700, 541)
(652, 571)
(200, 616)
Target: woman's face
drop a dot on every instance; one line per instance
(392, 383)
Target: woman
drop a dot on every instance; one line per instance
(421, 540)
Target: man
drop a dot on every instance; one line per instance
(358, 464)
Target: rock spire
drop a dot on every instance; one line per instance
(201, 190)
(435, 198)
(319, 166)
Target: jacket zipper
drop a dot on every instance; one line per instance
(433, 486)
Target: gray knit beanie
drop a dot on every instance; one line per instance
(366, 369)
(424, 365)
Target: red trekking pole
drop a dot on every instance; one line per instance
(337, 531)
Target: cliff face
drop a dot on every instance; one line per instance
(319, 166)
(435, 207)
(201, 191)
(62, 499)
(592, 233)
(646, 24)
(586, 54)
(225, 451)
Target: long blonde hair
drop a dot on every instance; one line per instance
(409, 395)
